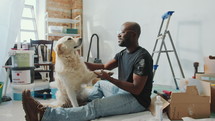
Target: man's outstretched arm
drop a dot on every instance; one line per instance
(108, 66)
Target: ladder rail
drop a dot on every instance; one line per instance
(159, 52)
(165, 16)
(33, 20)
(159, 34)
(171, 67)
(168, 21)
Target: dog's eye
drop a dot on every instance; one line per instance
(69, 39)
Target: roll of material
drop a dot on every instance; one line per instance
(209, 66)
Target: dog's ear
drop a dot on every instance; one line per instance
(79, 43)
(59, 49)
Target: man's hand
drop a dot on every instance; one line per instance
(103, 74)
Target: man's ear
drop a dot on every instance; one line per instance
(134, 34)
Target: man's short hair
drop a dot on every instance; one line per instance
(135, 27)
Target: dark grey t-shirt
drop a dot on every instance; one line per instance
(138, 62)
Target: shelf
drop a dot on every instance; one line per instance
(62, 34)
(76, 22)
(59, 20)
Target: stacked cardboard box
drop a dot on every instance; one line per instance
(193, 102)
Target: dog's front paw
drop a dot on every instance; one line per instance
(67, 105)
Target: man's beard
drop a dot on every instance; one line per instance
(124, 42)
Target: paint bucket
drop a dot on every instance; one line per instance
(53, 92)
(53, 87)
(22, 75)
(17, 90)
(22, 58)
(1, 90)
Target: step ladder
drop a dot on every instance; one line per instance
(161, 37)
(32, 19)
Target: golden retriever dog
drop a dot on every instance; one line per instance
(70, 72)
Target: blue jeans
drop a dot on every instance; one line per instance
(107, 99)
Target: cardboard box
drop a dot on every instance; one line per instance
(213, 98)
(209, 78)
(194, 102)
(152, 106)
(189, 104)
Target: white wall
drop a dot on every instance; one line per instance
(192, 29)
(40, 13)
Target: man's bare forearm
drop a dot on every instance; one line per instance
(94, 66)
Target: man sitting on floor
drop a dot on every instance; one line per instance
(130, 93)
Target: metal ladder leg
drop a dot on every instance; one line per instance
(176, 55)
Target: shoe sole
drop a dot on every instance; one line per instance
(24, 105)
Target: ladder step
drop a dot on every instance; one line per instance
(26, 30)
(163, 51)
(160, 37)
(28, 18)
(29, 6)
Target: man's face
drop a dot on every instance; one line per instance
(124, 37)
